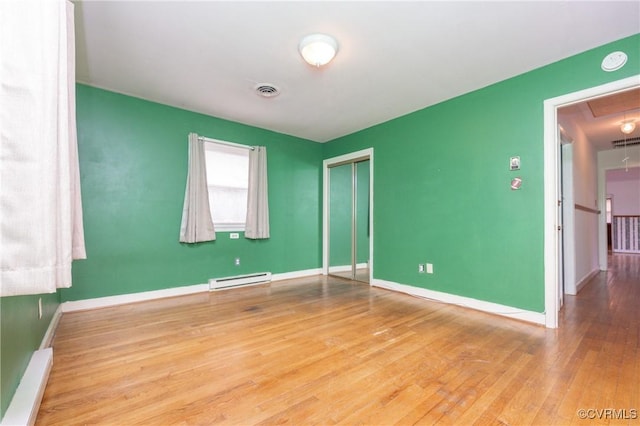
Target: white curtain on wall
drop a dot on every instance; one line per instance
(41, 228)
(197, 225)
(257, 225)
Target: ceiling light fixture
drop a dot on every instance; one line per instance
(627, 127)
(318, 49)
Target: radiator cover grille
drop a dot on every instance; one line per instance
(239, 281)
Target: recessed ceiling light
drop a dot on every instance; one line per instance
(318, 49)
(614, 61)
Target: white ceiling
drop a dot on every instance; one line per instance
(394, 57)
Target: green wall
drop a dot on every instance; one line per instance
(441, 184)
(133, 167)
(21, 332)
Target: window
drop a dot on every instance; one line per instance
(227, 180)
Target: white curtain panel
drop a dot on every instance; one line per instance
(77, 222)
(257, 225)
(197, 225)
(41, 228)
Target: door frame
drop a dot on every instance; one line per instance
(568, 238)
(364, 154)
(551, 255)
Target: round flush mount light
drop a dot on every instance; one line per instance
(627, 127)
(614, 61)
(318, 49)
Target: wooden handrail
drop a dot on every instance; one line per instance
(586, 209)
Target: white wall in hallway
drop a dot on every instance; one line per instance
(624, 187)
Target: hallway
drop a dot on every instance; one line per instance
(600, 330)
(611, 297)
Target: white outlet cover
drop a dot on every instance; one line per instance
(429, 268)
(234, 235)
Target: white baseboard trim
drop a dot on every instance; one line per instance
(24, 405)
(103, 302)
(296, 274)
(51, 330)
(466, 302)
(586, 279)
(122, 299)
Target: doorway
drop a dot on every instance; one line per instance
(348, 209)
(553, 247)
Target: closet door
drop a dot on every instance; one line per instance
(341, 220)
(349, 221)
(361, 226)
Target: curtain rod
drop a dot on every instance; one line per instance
(236, 145)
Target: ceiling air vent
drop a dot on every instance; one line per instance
(267, 90)
(628, 142)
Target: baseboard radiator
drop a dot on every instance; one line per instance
(239, 281)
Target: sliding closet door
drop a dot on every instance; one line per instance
(362, 219)
(349, 221)
(340, 220)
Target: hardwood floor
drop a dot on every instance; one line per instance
(362, 275)
(327, 351)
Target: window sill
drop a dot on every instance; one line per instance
(229, 227)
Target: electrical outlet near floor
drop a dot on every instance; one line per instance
(421, 268)
(237, 261)
(429, 268)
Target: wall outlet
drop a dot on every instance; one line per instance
(237, 261)
(234, 235)
(421, 268)
(39, 307)
(429, 268)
